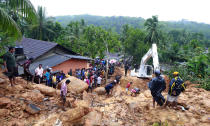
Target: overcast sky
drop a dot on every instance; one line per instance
(194, 10)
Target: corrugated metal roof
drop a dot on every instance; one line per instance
(47, 62)
(35, 48)
(77, 57)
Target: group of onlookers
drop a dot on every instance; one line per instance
(95, 75)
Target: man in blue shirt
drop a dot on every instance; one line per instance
(109, 87)
(156, 86)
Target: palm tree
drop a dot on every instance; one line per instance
(22, 8)
(151, 25)
(41, 29)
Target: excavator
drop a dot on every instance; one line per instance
(146, 71)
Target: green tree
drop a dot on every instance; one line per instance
(151, 25)
(23, 8)
(41, 29)
(135, 46)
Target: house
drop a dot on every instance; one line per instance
(51, 55)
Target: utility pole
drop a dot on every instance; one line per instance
(107, 62)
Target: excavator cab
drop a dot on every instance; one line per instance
(146, 71)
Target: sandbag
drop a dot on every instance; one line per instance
(75, 86)
(100, 90)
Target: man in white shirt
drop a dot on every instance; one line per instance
(99, 81)
(39, 72)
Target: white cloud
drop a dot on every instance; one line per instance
(195, 10)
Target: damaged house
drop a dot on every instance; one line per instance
(51, 55)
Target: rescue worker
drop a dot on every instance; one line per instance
(176, 86)
(156, 86)
(109, 87)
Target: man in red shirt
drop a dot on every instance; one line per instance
(128, 86)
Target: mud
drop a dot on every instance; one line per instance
(91, 109)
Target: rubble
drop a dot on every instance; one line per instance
(49, 91)
(32, 109)
(76, 85)
(34, 95)
(2, 81)
(39, 105)
(94, 118)
(100, 90)
(4, 112)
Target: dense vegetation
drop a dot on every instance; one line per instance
(132, 37)
(116, 23)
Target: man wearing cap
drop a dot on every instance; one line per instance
(176, 86)
(10, 65)
(156, 86)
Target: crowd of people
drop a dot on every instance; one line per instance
(157, 85)
(94, 76)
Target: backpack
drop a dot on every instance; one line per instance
(178, 86)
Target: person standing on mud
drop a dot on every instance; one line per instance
(26, 66)
(64, 91)
(126, 69)
(156, 86)
(176, 86)
(39, 73)
(10, 65)
(128, 86)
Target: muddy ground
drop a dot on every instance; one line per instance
(90, 109)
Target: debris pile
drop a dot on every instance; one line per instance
(39, 105)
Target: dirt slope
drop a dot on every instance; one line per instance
(90, 109)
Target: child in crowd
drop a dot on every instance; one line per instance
(54, 81)
(135, 91)
(47, 75)
(99, 79)
(128, 86)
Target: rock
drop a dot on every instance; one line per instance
(76, 85)
(93, 119)
(34, 95)
(86, 97)
(32, 109)
(49, 121)
(193, 121)
(4, 101)
(73, 114)
(100, 90)
(82, 103)
(137, 82)
(117, 91)
(4, 112)
(2, 81)
(49, 91)
(19, 87)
